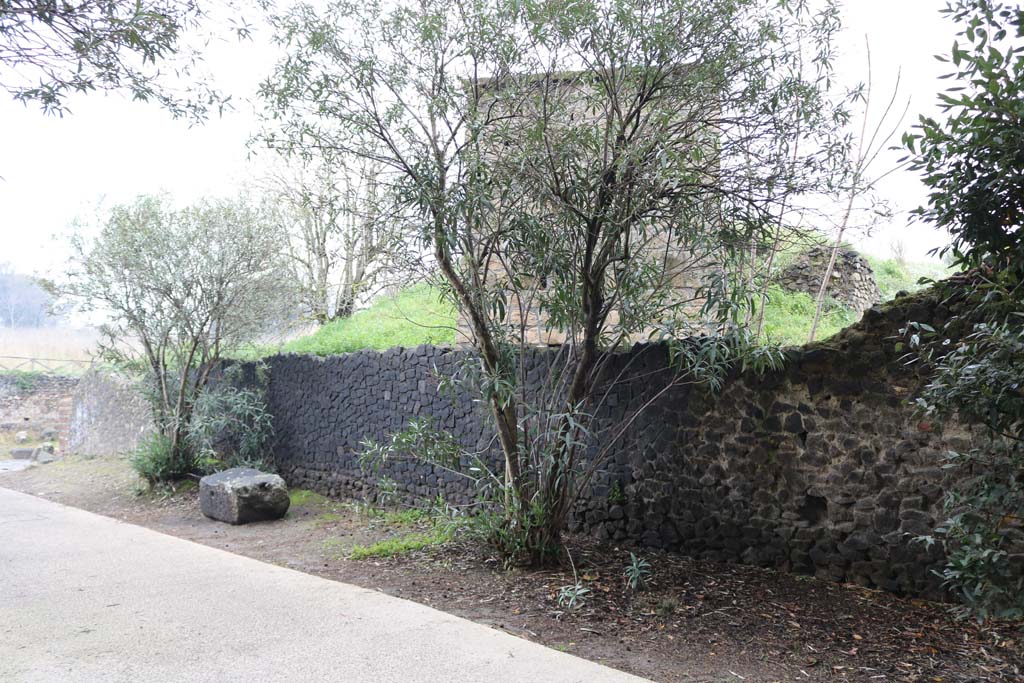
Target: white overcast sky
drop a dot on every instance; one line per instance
(111, 149)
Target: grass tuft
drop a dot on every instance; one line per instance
(410, 517)
(400, 545)
(305, 497)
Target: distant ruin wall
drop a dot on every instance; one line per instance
(36, 404)
(820, 467)
(852, 283)
(109, 415)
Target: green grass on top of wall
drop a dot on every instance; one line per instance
(417, 315)
(414, 316)
(893, 276)
(788, 317)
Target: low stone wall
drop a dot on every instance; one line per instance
(852, 283)
(109, 415)
(37, 404)
(819, 467)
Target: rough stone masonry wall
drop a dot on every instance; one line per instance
(109, 415)
(819, 467)
(852, 283)
(36, 403)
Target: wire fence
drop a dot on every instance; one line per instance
(45, 366)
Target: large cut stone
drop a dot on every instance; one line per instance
(242, 495)
(22, 453)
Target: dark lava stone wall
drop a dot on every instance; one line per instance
(819, 467)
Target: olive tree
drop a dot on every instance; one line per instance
(179, 288)
(49, 50)
(340, 240)
(571, 162)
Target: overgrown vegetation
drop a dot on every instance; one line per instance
(420, 315)
(971, 165)
(894, 276)
(24, 380)
(788, 317)
(230, 425)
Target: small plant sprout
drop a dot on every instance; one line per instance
(572, 596)
(637, 572)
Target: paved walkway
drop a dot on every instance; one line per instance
(88, 598)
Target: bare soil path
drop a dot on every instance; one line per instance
(694, 621)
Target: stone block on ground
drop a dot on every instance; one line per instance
(22, 453)
(242, 495)
(43, 455)
(21, 437)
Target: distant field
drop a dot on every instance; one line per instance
(46, 345)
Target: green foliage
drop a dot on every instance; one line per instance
(407, 517)
(980, 380)
(416, 315)
(616, 496)
(971, 162)
(558, 199)
(156, 460)
(184, 285)
(419, 440)
(788, 317)
(573, 596)
(637, 572)
(51, 50)
(231, 427)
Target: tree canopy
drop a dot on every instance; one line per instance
(49, 50)
(973, 162)
(549, 155)
(180, 287)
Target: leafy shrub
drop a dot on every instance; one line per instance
(231, 427)
(980, 380)
(156, 460)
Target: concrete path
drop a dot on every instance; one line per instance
(88, 598)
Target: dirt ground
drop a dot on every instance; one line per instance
(693, 621)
